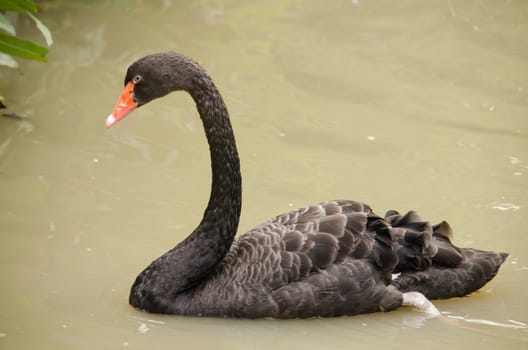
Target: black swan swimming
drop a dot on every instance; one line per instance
(330, 259)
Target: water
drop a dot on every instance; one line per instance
(406, 105)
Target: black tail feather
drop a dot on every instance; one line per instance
(429, 263)
(476, 269)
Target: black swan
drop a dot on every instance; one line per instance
(330, 259)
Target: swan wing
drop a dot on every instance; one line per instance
(307, 240)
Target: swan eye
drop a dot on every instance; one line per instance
(137, 79)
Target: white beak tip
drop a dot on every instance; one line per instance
(110, 120)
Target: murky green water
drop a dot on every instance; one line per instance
(402, 104)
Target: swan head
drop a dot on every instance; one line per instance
(152, 77)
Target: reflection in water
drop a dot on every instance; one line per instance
(511, 323)
(440, 86)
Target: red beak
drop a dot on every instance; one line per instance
(123, 107)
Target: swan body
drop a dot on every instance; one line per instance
(330, 259)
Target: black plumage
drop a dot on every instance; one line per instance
(330, 259)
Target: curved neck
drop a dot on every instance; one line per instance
(197, 256)
(221, 217)
(195, 259)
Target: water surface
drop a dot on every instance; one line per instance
(404, 105)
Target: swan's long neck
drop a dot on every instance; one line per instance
(220, 221)
(197, 256)
(194, 260)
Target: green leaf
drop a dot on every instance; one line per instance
(27, 4)
(7, 5)
(6, 25)
(21, 6)
(22, 48)
(43, 29)
(25, 44)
